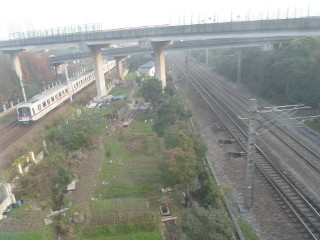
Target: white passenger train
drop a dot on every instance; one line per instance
(43, 103)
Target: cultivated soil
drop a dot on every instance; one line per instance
(90, 168)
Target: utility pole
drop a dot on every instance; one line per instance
(250, 154)
(22, 88)
(68, 82)
(239, 69)
(207, 59)
(187, 67)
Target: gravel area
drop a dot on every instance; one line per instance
(266, 216)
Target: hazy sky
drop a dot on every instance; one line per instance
(43, 14)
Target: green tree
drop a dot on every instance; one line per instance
(206, 224)
(180, 135)
(168, 91)
(151, 90)
(73, 135)
(289, 74)
(210, 191)
(182, 167)
(169, 113)
(64, 177)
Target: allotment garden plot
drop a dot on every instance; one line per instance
(129, 182)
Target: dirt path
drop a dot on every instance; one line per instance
(88, 176)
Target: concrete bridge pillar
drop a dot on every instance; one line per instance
(119, 68)
(119, 60)
(98, 68)
(16, 65)
(159, 61)
(58, 69)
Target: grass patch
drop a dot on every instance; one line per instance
(130, 77)
(120, 91)
(129, 177)
(124, 189)
(315, 124)
(48, 234)
(129, 236)
(143, 231)
(248, 231)
(8, 118)
(118, 204)
(142, 127)
(141, 117)
(22, 236)
(130, 174)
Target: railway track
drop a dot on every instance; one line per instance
(302, 207)
(304, 152)
(11, 133)
(8, 127)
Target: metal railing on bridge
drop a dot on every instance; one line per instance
(92, 27)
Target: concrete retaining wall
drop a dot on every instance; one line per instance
(7, 198)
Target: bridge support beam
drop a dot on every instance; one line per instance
(119, 60)
(98, 68)
(159, 61)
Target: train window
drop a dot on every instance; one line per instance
(66, 90)
(60, 94)
(24, 111)
(34, 113)
(39, 107)
(48, 101)
(74, 86)
(52, 99)
(44, 104)
(57, 96)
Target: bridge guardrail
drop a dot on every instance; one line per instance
(92, 27)
(177, 21)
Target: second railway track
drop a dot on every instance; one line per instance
(302, 207)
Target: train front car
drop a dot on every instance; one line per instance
(24, 113)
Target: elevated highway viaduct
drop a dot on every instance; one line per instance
(158, 38)
(179, 45)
